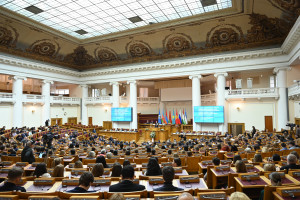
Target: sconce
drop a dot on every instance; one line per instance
(33, 110)
(238, 108)
(105, 109)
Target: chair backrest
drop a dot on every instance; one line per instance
(192, 164)
(268, 192)
(65, 195)
(228, 191)
(142, 194)
(231, 180)
(209, 176)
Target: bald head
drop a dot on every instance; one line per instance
(185, 196)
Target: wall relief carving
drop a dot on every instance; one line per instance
(79, 57)
(292, 6)
(105, 54)
(8, 36)
(177, 42)
(44, 47)
(138, 48)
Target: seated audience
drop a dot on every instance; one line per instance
(257, 158)
(276, 158)
(116, 170)
(238, 196)
(283, 145)
(98, 170)
(168, 176)
(153, 168)
(269, 167)
(126, 185)
(291, 163)
(101, 159)
(78, 164)
(176, 162)
(85, 181)
(56, 162)
(240, 167)
(13, 178)
(41, 171)
(236, 157)
(126, 162)
(185, 196)
(58, 171)
(275, 178)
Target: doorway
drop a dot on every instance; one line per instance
(268, 123)
(55, 121)
(236, 128)
(297, 121)
(91, 121)
(72, 120)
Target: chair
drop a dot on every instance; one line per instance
(228, 191)
(66, 195)
(231, 180)
(155, 194)
(25, 195)
(143, 194)
(209, 176)
(192, 164)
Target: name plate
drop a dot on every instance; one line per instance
(189, 179)
(248, 177)
(5, 170)
(106, 171)
(143, 156)
(43, 197)
(178, 169)
(6, 163)
(213, 152)
(226, 162)
(295, 174)
(249, 166)
(9, 197)
(133, 165)
(44, 181)
(67, 157)
(212, 196)
(166, 196)
(166, 164)
(101, 181)
(78, 171)
(71, 165)
(144, 164)
(207, 162)
(241, 152)
(72, 182)
(132, 197)
(156, 180)
(110, 165)
(288, 191)
(222, 168)
(21, 164)
(245, 160)
(230, 154)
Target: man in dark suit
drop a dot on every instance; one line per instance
(27, 154)
(291, 163)
(85, 181)
(126, 185)
(168, 176)
(14, 176)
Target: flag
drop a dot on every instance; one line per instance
(159, 117)
(163, 118)
(166, 117)
(176, 118)
(179, 116)
(173, 117)
(185, 117)
(170, 117)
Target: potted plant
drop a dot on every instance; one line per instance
(152, 135)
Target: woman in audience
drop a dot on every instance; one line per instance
(58, 171)
(126, 162)
(238, 196)
(41, 171)
(276, 158)
(116, 170)
(275, 179)
(153, 168)
(236, 158)
(101, 159)
(98, 170)
(56, 162)
(240, 167)
(257, 158)
(270, 167)
(78, 164)
(176, 162)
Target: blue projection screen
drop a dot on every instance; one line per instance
(209, 114)
(121, 114)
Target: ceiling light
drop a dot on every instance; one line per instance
(135, 19)
(34, 9)
(208, 2)
(81, 32)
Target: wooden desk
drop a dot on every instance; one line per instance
(251, 188)
(122, 136)
(278, 197)
(176, 183)
(288, 180)
(251, 170)
(41, 188)
(203, 167)
(220, 177)
(102, 188)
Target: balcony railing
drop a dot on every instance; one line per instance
(6, 97)
(64, 100)
(95, 100)
(148, 100)
(32, 98)
(252, 93)
(208, 97)
(124, 99)
(294, 90)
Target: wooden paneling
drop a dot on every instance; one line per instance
(269, 123)
(107, 125)
(55, 121)
(72, 120)
(90, 120)
(150, 118)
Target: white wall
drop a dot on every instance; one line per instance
(65, 112)
(99, 113)
(32, 115)
(176, 94)
(6, 115)
(148, 108)
(251, 113)
(296, 110)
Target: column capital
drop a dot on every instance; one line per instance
(114, 83)
(85, 86)
(221, 74)
(47, 81)
(195, 76)
(132, 82)
(17, 78)
(277, 69)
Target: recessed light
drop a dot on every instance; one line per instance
(34, 9)
(208, 2)
(81, 32)
(135, 19)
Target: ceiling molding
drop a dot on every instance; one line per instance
(292, 38)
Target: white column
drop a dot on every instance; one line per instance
(18, 96)
(196, 98)
(133, 103)
(84, 113)
(221, 83)
(127, 90)
(282, 104)
(115, 99)
(46, 94)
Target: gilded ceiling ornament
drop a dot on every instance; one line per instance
(292, 6)
(44, 47)
(105, 54)
(225, 34)
(178, 42)
(8, 36)
(138, 48)
(79, 57)
(264, 28)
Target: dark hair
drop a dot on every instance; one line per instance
(127, 172)
(115, 153)
(168, 174)
(177, 161)
(153, 168)
(292, 143)
(86, 179)
(127, 153)
(101, 159)
(236, 158)
(216, 161)
(40, 169)
(276, 178)
(257, 158)
(276, 157)
(126, 162)
(153, 152)
(189, 154)
(240, 166)
(169, 151)
(72, 151)
(283, 144)
(116, 170)
(15, 173)
(98, 170)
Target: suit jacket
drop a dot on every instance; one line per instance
(168, 187)
(126, 186)
(27, 155)
(79, 190)
(291, 166)
(8, 186)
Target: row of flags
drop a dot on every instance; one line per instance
(173, 118)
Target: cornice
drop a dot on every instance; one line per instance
(292, 38)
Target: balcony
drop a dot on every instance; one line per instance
(98, 100)
(208, 97)
(32, 98)
(7, 97)
(294, 92)
(148, 100)
(124, 99)
(252, 93)
(65, 100)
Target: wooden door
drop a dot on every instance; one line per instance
(59, 121)
(90, 120)
(236, 128)
(53, 121)
(72, 120)
(269, 123)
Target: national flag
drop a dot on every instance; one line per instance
(179, 116)
(173, 117)
(163, 117)
(159, 117)
(170, 117)
(185, 117)
(166, 117)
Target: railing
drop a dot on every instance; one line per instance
(124, 99)
(208, 97)
(294, 90)
(6, 97)
(32, 98)
(102, 99)
(147, 100)
(252, 93)
(64, 100)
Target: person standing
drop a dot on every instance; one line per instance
(253, 131)
(27, 153)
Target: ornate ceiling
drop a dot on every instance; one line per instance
(247, 25)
